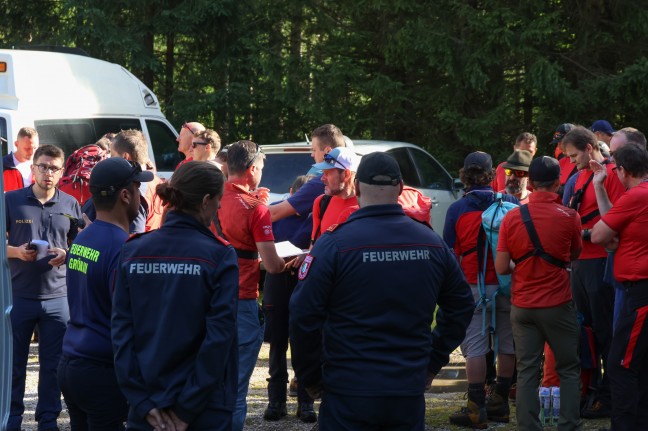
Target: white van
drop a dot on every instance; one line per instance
(73, 100)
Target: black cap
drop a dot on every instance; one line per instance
(519, 161)
(115, 173)
(379, 164)
(561, 131)
(479, 159)
(544, 168)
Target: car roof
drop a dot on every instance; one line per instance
(360, 146)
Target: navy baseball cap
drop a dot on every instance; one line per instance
(544, 168)
(479, 159)
(602, 126)
(115, 173)
(379, 169)
(560, 132)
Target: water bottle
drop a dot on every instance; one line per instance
(555, 403)
(545, 405)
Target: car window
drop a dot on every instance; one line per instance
(5, 139)
(281, 169)
(408, 170)
(164, 145)
(432, 174)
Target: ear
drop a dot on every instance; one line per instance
(127, 156)
(347, 175)
(205, 200)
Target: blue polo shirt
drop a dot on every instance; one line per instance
(28, 219)
(304, 198)
(91, 265)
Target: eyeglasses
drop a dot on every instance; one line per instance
(258, 151)
(195, 144)
(186, 126)
(519, 174)
(43, 168)
(332, 161)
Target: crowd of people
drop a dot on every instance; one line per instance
(146, 299)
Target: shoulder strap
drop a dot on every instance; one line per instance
(240, 253)
(537, 246)
(323, 205)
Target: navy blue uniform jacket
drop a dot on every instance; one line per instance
(174, 320)
(360, 316)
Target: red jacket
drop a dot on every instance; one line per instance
(12, 177)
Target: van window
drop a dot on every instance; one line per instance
(281, 169)
(71, 135)
(164, 144)
(5, 145)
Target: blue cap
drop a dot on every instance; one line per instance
(602, 126)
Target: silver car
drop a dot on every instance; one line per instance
(284, 162)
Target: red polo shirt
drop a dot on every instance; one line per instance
(588, 204)
(567, 168)
(629, 218)
(536, 283)
(245, 220)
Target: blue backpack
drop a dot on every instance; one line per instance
(487, 245)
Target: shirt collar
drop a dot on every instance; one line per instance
(536, 197)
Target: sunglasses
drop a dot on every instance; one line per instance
(332, 161)
(195, 144)
(258, 151)
(519, 174)
(43, 168)
(186, 126)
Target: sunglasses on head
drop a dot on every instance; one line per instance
(186, 126)
(519, 174)
(258, 151)
(332, 161)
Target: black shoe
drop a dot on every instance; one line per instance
(306, 413)
(598, 410)
(275, 411)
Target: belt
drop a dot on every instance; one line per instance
(636, 283)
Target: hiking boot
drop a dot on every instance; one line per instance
(306, 413)
(497, 408)
(598, 410)
(470, 416)
(275, 411)
(292, 388)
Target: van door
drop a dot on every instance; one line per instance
(165, 147)
(6, 338)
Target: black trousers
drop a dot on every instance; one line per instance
(276, 296)
(345, 413)
(628, 361)
(594, 299)
(92, 395)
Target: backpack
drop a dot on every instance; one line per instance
(76, 175)
(487, 242)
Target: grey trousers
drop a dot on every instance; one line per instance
(559, 327)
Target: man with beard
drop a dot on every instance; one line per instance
(339, 168)
(516, 169)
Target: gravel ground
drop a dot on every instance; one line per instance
(445, 397)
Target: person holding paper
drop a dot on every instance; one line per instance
(245, 222)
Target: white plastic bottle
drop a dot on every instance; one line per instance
(545, 405)
(555, 403)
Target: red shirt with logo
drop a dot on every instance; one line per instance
(629, 218)
(245, 220)
(589, 204)
(537, 283)
(567, 169)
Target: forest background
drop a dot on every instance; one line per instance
(449, 75)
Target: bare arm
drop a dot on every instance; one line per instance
(603, 235)
(281, 210)
(21, 252)
(503, 263)
(271, 260)
(602, 198)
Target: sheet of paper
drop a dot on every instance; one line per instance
(288, 249)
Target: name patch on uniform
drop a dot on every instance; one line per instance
(395, 256)
(25, 221)
(164, 268)
(305, 267)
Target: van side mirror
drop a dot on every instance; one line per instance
(458, 187)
